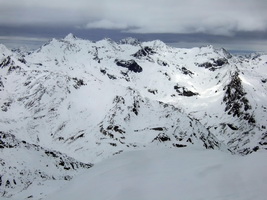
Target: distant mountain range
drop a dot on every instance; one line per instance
(73, 103)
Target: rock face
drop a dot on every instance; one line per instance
(214, 64)
(129, 64)
(235, 99)
(78, 102)
(184, 91)
(144, 52)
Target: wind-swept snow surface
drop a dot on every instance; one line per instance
(187, 174)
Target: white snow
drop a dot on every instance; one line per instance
(186, 173)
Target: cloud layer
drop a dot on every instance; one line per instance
(218, 17)
(236, 24)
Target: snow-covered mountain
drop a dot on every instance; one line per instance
(90, 100)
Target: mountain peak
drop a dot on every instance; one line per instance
(4, 51)
(109, 40)
(3, 48)
(70, 36)
(225, 53)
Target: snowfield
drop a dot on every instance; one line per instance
(185, 173)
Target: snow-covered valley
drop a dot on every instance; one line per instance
(69, 108)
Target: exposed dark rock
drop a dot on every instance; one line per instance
(22, 60)
(256, 148)
(126, 76)
(162, 137)
(119, 99)
(162, 63)
(113, 144)
(136, 106)
(263, 139)
(179, 145)
(27, 83)
(67, 178)
(51, 153)
(205, 65)
(78, 83)
(135, 111)
(186, 71)
(103, 71)
(7, 61)
(129, 64)
(80, 136)
(95, 54)
(189, 140)
(7, 140)
(117, 129)
(1, 84)
(226, 53)
(6, 106)
(116, 153)
(158, 129)
(231, 126)
(13, 68)
(144, 52)
(214, 64)
(112, 77)
(167, 76)
(182, 91)
(210, 143)
(220, 62)
(152, 91)
(235, 99)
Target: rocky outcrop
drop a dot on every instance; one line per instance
(235, 99)
(129, 64)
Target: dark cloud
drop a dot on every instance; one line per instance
(225, 22)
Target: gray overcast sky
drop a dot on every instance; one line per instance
(233, 24)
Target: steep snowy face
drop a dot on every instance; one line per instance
(91, 100)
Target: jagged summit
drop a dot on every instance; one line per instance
(70, 36)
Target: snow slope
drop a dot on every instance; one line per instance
(158, 174)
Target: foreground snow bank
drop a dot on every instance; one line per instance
(171, 174)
